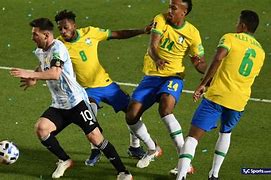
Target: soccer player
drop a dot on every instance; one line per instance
(172, 38)
(82, 45)
(70, 102)
(238, 60)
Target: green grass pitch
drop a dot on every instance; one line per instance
(123, 60)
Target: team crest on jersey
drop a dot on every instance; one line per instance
(88, 41)
(181, 39)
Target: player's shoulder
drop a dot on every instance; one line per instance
(58, 45)
(192, 28)
(91, 30)
(162, 17)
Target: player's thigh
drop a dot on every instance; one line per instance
(146, 91)
(83, 116)
(53, 120)
(229, 119)
(94, 94)
(116, 97)
(172, 86)
(207, 115)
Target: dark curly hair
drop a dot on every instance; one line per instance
(250, 19)
(65, 14)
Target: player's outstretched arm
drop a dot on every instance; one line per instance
(125, 34)
(51, 74)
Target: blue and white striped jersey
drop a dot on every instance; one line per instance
(66, 92)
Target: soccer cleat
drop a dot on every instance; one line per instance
(148, 157)
(62, 166)
(137, 153)
(174, 171)
(124, 176)
(94, 157)
(213, 178)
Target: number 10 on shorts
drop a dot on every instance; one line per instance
(87, 115)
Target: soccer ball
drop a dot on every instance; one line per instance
(9, 152)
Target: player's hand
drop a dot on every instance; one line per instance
(198, 93)
(161, 63)
(20, 73)
(147, 29)
(26, 83)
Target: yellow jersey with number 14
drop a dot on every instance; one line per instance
(84, 56)
(175, 44)
(231, 85)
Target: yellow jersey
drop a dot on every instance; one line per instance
(231, 85)
(175, 43)
(84, 56)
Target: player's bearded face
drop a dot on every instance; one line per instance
(38, 37)
(67, 29)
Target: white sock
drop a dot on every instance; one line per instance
(94, 108)
(134, 141)
(175, 131)
(221, 149)
(186, 156)
(140, 130)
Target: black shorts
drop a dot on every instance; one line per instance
(80, 115)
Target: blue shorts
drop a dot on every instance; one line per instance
(111, 95)
(208, 113)
(151, 87)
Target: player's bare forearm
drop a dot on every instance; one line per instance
(211, 71)
(160, 63)
(51, 74)
(125, 34)
(220, 54)
(199, 63)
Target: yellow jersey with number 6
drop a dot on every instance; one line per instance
(84, 56)
(175, 44)
(231, 85)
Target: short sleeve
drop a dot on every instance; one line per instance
(101, 34)
(59, 52)
(159, 23)
(225, 42)
(196, 48)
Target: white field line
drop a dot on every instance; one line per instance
(186, 91)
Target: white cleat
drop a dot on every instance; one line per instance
(174, 171)
(124, 176)
(62, 166)
(148, 157)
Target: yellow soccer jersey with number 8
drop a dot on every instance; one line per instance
(231, 85)
(175, 43)
(84, 56)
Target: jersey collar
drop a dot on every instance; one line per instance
(77, 37)
(177, 27)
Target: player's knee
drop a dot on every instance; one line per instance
(42, 129)
(95, 137)
(164, 112)
(130, 117)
